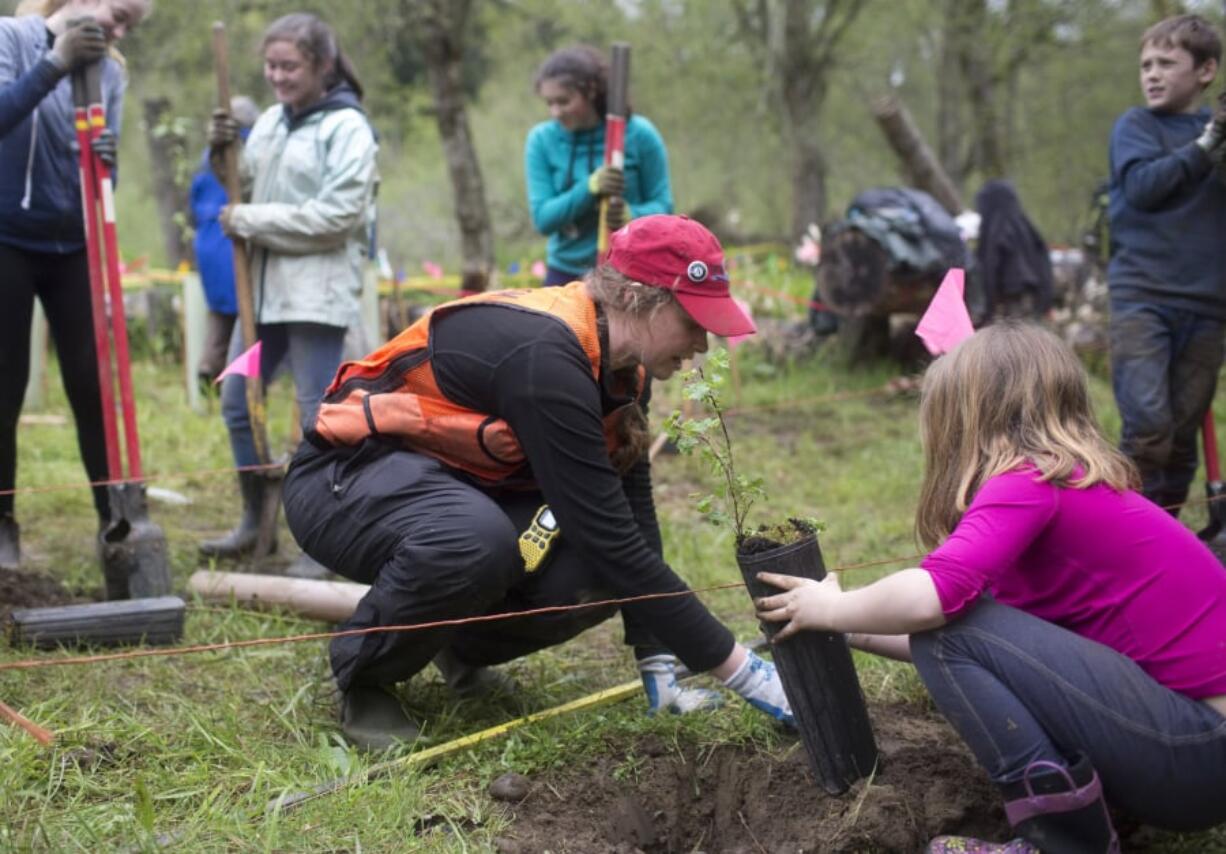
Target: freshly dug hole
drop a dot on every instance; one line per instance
(735, 799)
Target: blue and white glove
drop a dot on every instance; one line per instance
(757, 681)
(659, 673)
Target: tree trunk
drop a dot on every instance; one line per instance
(439, 26)
(951, 129)
(923, 169)
(166, 146)
(808, 168)
(797, 42)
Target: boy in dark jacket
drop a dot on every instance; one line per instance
(1167, 275)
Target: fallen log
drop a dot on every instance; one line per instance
(332, 601)
(923, 170)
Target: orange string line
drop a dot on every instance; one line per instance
(833, 397)
(25, 490)
(32, 664)
(42, 736)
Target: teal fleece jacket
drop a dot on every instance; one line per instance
(558, 163)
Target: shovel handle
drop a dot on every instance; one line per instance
(97, 288)
(105, 195)
(242, 269)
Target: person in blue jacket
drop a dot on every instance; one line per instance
(1167, 274)
(42, 230)
(215, 253)
(564, 164)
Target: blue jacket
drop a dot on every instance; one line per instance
(1168, 214)
(40, 186)
(558, 163)
(214, 252)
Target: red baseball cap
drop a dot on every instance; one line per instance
(679, 254)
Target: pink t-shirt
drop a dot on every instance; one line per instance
(1110, 566)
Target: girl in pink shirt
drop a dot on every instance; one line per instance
(1071, 631)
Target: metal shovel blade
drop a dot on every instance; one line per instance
(132, 548)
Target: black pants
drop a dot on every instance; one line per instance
(432, 547)
(61, 283)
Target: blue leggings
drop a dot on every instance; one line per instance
(1019, 689)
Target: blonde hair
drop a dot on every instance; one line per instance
(618, 293)
(45, 8)
(1009, 395)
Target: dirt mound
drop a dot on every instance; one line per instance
(30, 590)
(735, 799)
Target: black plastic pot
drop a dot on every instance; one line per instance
(818, 676)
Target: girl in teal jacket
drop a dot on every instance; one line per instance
(564, 157)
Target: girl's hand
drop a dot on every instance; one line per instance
(804, 604)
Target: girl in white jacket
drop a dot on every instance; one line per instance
(308, 176)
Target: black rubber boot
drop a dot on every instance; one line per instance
(241, 541)
(469, 682)
(1061, 810)
(10, 542)
(372, 719)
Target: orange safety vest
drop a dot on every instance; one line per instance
(394, 393)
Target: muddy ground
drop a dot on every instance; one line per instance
(734, 799)
(20, 589)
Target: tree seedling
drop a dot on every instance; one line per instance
(735, 493)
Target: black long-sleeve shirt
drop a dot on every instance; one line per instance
(530, 370)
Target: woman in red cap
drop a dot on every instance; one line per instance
(492, 458)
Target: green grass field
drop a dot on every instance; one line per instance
(186, 752)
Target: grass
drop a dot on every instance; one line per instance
(188, 751)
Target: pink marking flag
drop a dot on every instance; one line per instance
(538, 269)
(946, 323)
(434, 271)
(246, 365)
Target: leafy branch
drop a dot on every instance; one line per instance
(709, 438)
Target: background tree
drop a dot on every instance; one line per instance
(797, 41)
(1057, 72)
(437, 28)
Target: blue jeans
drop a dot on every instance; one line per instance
(1019, 689)
(1164, 366)
(311, 352)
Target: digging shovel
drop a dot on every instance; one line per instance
(615, 130)
(257, 414)
(1214, 533)
(132, 548)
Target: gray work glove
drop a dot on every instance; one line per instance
(82, 42)
(223, 129)
(615, 215)
(106, 146)
(1211, 138)
(607, 181)
(758, 683)
(664, 693)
